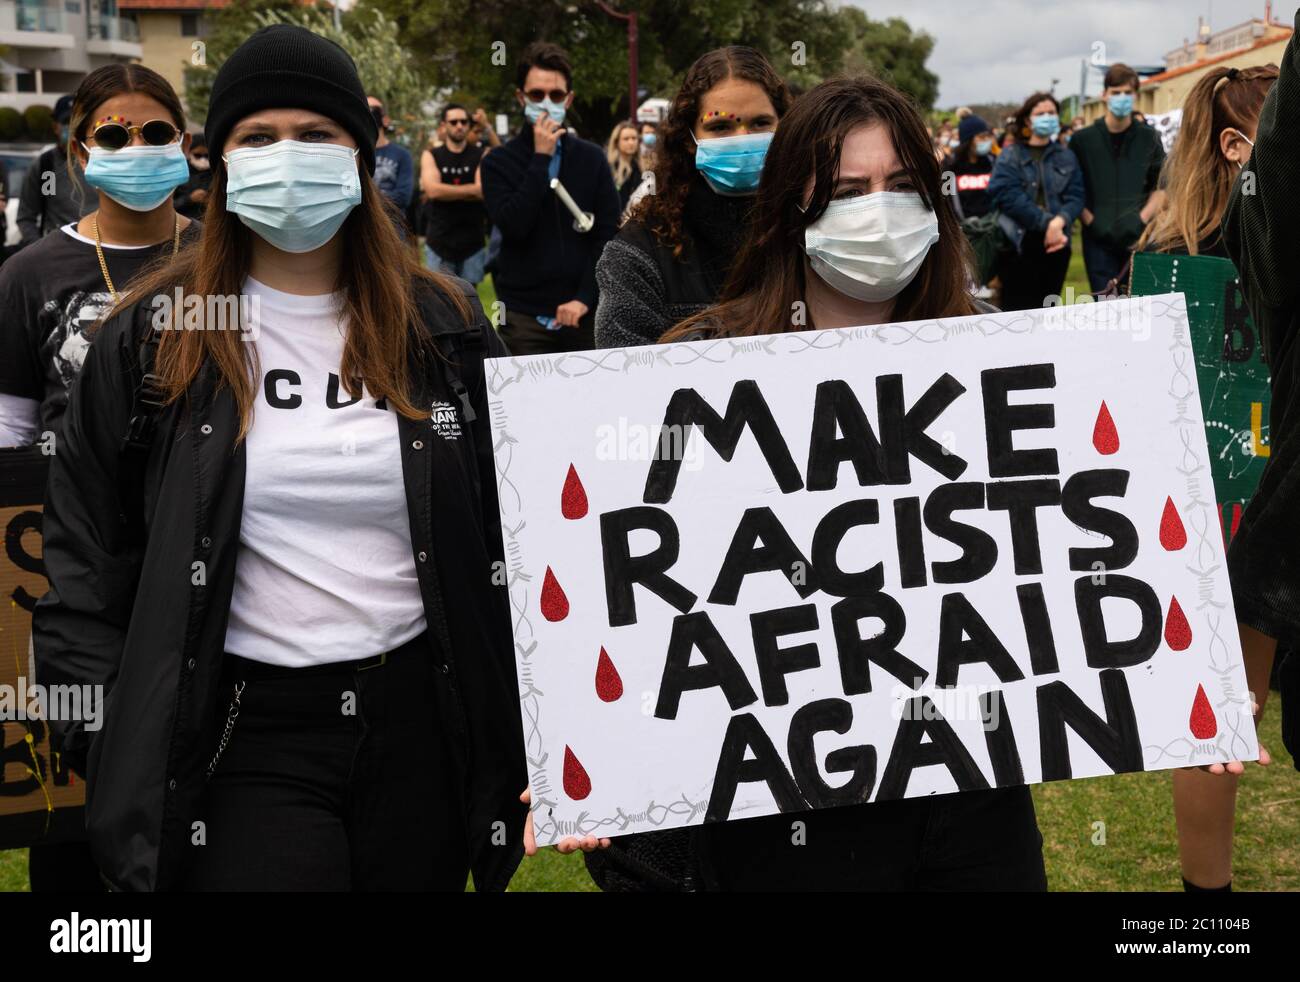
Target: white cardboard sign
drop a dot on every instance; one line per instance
(819, 568)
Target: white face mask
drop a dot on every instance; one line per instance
(871, 247)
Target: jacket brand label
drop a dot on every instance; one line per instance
(445, 421)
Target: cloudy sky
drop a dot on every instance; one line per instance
(1001, 50)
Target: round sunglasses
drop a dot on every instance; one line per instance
(115, 136)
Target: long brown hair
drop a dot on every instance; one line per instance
(379, 278)
(768, 277)
(105, 83)
(1199, 177)
(674, 170)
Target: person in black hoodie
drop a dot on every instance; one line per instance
(545, 274)
(972, 165)
(671, 258)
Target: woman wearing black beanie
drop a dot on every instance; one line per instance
(272, 532)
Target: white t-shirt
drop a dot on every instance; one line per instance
(324, 571)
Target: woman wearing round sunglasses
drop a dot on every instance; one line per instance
(125, 131)
(309, 669)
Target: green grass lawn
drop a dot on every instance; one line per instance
(1141, 850)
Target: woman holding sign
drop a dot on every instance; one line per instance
(850, 228)
(270, 535)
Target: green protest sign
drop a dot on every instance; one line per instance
(1230, 369)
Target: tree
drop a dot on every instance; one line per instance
(891, 51)
(469, 48)
(386, 69)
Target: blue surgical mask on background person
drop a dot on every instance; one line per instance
(1121, 106)
(648, 139)
(533, 110)
(1048, 125)
(294, 195)
(139, 178)
(732, 165)
(983, 147)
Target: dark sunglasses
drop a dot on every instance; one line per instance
(537, 95)
(458, 122)
(115, 136)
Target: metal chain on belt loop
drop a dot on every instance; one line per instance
(230, 725)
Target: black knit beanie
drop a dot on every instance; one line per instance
(289, 67)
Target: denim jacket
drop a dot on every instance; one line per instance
(1014, 189)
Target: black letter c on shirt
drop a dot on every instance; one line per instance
(273, 399)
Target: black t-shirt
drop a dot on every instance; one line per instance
(973, 184)
(455, 229)
(51, 293)
(1038, 153)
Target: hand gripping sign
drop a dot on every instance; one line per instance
(795, 571)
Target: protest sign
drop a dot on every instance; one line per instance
(1167, 125)
(1230, 369)
(793, 571)
(40, 801)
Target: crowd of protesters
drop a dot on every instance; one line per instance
(370, 572)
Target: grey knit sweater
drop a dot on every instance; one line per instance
(634, 308)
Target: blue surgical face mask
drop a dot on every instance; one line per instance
(732, 165)
(294, 195)
(139, 178)
(1121, 106)
(648, 139)
(533, 110)
(1048, 125)
(983, 147)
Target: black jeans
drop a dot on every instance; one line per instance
(1104, 263)
(977, 840)
(334, 779)
(523, 335)
(1029, 278)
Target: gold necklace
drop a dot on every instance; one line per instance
(99, 251)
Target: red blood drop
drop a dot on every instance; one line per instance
(573, 499)
(555, 605)
(577, 785)
(1203, 724)
(1178, 633)
(1172, 534)
(1104, 435)
(609, 686)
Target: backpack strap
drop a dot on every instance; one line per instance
(147, 402)
(461, 350)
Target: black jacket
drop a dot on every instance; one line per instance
(145, 613)
(1259, 232)
(544, 261)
